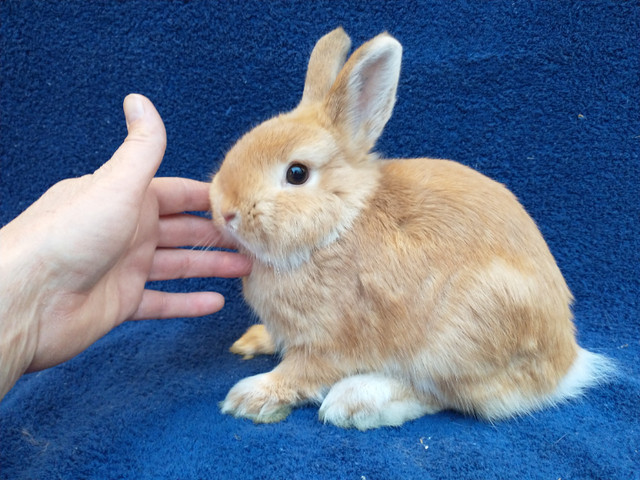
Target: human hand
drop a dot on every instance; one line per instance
(74, 265)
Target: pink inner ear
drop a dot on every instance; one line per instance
(372, 90)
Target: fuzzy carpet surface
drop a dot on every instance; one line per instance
(542, 96)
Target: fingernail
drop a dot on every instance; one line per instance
(133, 108)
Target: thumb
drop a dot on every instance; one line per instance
(137, 160)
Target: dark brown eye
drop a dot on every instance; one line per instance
(297, 174)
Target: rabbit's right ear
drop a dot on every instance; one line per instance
(327, 58)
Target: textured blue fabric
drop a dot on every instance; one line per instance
(542, 96)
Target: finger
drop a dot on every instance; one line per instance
(170, 264)
(135, 163)
(177, 195)
(192, 231)
(160, 305)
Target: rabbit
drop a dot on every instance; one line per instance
(390, 288)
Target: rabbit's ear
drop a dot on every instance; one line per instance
(326, 60)
(362, 98)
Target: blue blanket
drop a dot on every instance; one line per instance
(542, 96)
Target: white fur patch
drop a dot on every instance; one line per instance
(370, 401)
(588, 369)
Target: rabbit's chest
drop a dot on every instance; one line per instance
(296, 304)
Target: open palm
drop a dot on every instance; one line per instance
(98, 239)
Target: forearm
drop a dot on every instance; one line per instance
(20, 305)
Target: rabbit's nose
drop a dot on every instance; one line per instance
(228, 217)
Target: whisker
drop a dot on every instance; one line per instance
(209, 243)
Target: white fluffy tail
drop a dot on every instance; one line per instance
(588, 369)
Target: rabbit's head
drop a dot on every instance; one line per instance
(296, 182)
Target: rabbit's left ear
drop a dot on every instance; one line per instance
(361, 100)
(327, 58)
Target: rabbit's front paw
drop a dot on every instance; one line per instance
(258, 398)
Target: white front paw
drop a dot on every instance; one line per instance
(257, 398)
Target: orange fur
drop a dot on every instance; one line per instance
(255, 341)
(424, 273)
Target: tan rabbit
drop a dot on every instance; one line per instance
(391, 288)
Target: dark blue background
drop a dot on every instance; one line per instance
(542, 96)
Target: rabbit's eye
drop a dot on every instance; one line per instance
(297, 174)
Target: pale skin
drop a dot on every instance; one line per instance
(74, 265)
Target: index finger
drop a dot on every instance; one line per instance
(177, 195)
